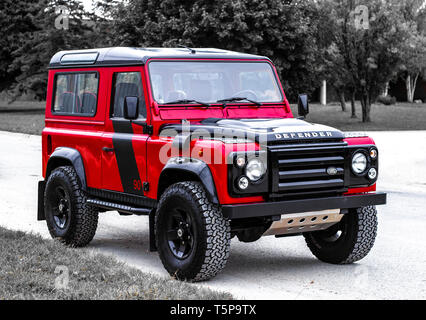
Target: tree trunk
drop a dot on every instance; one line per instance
(413, 86)
(323, 93)
(386, 90)
(410, 84)
(366, 107)
(353, 115)
(341, 94)
(409, 89)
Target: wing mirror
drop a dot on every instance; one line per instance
(131, 106)
(303, 105)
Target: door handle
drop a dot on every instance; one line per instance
(106, 149)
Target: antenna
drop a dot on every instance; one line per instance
(190, 49)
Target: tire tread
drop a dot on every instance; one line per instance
(85, 217)
(362, 242)
(218, 230)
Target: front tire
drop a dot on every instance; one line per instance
(192, 236)
(349, 240)
(68, 217)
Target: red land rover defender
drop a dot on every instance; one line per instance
(203, 142)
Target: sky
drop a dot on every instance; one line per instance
(87, 4)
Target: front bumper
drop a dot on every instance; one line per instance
(304, 205)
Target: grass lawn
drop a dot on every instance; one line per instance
(31, 122)
(29, 117)
(22, 116)
(22, 105)
(401, 116)
(28, 265)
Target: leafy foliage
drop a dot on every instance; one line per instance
(16, 18)
(307, 40)
(283, 31)
(413, 61)
(40, 42)
(368, 57)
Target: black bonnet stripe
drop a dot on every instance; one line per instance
(125, 155)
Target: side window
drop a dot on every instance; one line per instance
(126, 84)
(76, 94)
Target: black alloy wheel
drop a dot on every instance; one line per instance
(61, 207)
(180, 233)
(69, 218)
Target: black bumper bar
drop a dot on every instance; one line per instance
(263, 209)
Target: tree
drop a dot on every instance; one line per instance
(414, 63)
(281, 30)
(103, 18)
(371, 47)
(49, 35)
(331, 62)
(334, 70)
(16, 18)
(414, 50)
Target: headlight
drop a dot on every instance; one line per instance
(359, 163)
(255, 169)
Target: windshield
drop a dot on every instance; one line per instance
(209, 82)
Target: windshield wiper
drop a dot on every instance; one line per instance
(188, 101)
(238, 99)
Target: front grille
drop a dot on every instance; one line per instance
(301, 169)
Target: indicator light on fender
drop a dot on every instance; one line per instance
(241, 161)
(373, 153)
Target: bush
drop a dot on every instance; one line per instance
(386, 100)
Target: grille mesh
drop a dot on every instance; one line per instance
(300, 169)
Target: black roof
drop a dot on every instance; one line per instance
(124, 56)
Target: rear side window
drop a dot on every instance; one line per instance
(76, 94)
(127, 84)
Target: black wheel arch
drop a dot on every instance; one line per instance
(186, 169)
(62, 156)
(65, 156)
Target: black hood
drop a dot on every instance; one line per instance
(270, 130)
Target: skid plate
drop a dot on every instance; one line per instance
(304, 222)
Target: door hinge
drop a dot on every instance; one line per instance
(148, 129)
(146, 186)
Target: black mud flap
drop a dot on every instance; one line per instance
(40, 206)
(152, 244)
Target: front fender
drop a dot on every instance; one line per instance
(186, 167)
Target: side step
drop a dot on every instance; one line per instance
(118, 207)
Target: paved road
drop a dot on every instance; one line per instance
(270, 268)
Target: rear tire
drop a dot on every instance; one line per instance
(192, 236)
(68, 217)
(349, 240)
